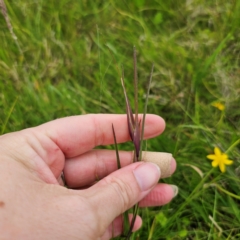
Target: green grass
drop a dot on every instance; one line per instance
(67, 69)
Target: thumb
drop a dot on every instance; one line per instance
(122, 189)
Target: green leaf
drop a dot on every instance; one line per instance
(158, 18)
(139, 3)
(183, 233)
(161, 219)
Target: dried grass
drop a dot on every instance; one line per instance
(9, 25)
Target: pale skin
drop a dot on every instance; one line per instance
(34, 204)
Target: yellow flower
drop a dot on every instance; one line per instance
(219, 159)
(218, 105)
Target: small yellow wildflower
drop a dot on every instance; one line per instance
(219, 159)
(218, 105)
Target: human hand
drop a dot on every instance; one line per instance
(35, 205)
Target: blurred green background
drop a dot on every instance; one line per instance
(62, 64)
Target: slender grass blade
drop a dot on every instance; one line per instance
(145, 112)
(116, 148)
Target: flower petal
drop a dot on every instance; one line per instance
(222, 167)
(211, 157)
(218, 105)
(215, 163)
(225, 156)
(221, 107)
(217, 151)
(228, 162)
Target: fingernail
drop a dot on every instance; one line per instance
(147, 175)
(175, 190)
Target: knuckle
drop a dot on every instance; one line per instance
(98, 132)
(100, 166)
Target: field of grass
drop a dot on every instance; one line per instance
(61, 64)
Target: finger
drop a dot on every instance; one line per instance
(160, 195)
(116, 228)
(84, 170)
(78, 134)
(120, 190)
(94, 165)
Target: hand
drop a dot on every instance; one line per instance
(35, 205)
